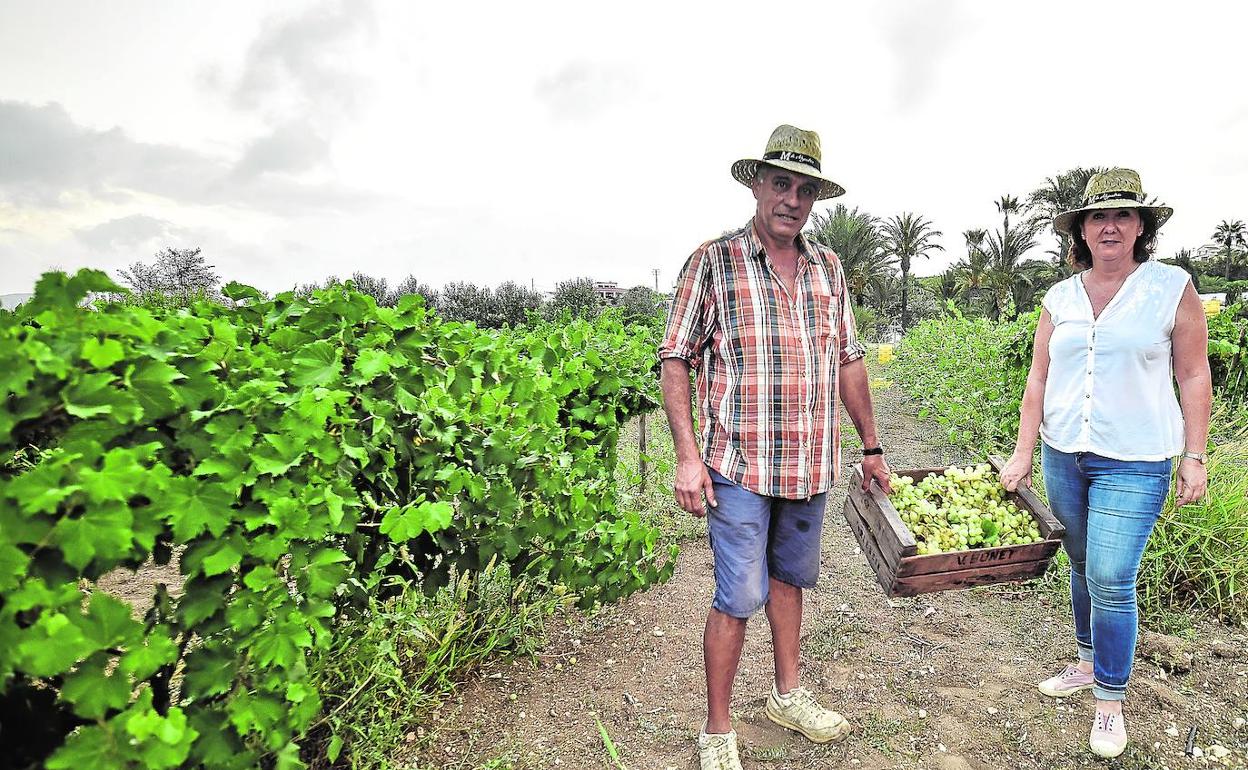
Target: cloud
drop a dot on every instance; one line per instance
(299, 63)
(48, 160)
(582, 89)
(290, 148)
(920, 34)
(136, 233)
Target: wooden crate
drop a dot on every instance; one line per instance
(890, 548)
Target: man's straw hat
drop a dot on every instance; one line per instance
(1117, 188)
(791, 149)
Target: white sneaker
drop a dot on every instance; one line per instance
(718, 751)
(800, 711)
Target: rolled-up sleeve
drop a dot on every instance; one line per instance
(690, 324)
(851, 348)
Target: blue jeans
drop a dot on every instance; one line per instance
(754, 538)
(1109, 508)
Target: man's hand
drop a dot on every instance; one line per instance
(692, 482)
(875, 467)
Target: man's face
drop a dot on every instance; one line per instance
(784, 201)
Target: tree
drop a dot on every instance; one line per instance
(909, 236)
(377, 288)
(411, 285)
(515, 302)
(1229, 234)
(1009, 278)
(576, 296)
(1183, 258)
(180, 275)
(463, 301)
(858, 242)
(1063, 192)
(971, 272)
(640, 303)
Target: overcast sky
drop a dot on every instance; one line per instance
(544, 141)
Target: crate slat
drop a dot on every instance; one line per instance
(884, 572)
(968, 578)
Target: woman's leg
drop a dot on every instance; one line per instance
(1067, 487)
(1124, 501)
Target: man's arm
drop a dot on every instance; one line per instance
(856, 396)
(692, 480)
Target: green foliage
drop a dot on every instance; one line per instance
(388, 666)
(1198, 554)
(576, 298)
(1228, 352)
(295, 449)
(968, 374)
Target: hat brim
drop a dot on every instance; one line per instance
(1061, 222)
(744, 170)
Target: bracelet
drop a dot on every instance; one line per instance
(875, 450)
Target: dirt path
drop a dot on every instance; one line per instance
(940, 681)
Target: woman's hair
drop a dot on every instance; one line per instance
(1080, 256)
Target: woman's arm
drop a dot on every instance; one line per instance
(1190, 350)
(1018, 469)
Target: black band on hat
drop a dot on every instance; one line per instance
(1115, 195)
(793, 157)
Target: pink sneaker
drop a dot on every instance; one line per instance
(1070, 681)
(1109, 735)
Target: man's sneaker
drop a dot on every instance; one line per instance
(1109, 735)
(800, 711)
(1070, 681)
(718, 751)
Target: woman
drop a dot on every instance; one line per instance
(1101, 396)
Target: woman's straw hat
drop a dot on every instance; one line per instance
(1117, 188)
(794, 150)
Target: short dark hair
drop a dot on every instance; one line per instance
(1080, 256)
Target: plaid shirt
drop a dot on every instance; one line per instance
(767, 363)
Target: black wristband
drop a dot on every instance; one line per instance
(876, 450)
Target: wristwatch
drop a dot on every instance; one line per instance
(875, 450)
(1200, 457)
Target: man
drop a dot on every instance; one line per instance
(763, 316)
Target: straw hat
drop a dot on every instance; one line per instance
(794, 150)
(1117, 188)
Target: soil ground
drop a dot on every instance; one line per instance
(943, 681)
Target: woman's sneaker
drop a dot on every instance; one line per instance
(1070, 681)
(800, 711)
(718, 751)
(1109, 734)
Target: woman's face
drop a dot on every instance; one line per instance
(1111, 233)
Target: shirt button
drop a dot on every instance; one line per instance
(1087, 395)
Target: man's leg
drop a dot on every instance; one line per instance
(738, 534)
(784, 613)
(721, 651)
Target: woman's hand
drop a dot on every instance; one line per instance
(1017, 471)
(1193, 481)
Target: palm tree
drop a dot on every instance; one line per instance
(1008, 277)
(972, 270)
(909, 236)
(1228, 234)
(1183, 258)
(856, 239)
(1063, 192)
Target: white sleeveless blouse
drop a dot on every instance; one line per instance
(1110, 388)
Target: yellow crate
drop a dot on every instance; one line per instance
(1212, 307)
(885, 353)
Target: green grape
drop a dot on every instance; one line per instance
(959, 509)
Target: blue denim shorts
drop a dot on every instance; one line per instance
(755, 537)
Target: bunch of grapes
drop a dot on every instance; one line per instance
(960, 509)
